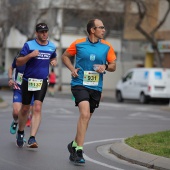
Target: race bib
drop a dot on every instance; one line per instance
(91, 78)
(34, 84)
(19, 78)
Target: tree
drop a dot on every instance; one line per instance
(144, 8)
(20, 14)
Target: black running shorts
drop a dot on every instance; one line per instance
(82, 93)
(38, 95)
(51, 84)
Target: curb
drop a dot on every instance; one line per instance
(3, 104)
(166, 108)
(125, 152)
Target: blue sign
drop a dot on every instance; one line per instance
(158, 75)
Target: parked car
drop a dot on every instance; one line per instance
(144, 84)
(4, 79)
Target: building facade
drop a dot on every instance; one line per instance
(67, 21)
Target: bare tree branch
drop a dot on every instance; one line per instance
(142, 12)
(163, 19)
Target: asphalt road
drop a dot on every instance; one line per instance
(110, 122)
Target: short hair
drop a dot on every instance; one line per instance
(90, 25)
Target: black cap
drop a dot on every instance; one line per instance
(41, 27)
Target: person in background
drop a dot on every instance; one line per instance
(52, 81)
(37, 54)
(17, 93)
(94, 56)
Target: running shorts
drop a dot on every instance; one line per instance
(38, 95)
(17, 97)
(82, 93)
(51, 84)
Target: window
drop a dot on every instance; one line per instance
(128, 77)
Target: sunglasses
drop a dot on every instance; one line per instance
(100, 27)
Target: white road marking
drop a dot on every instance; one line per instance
(65, 111)
(100, 163)
(147, 115)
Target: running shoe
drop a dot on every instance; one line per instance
(71, 150)
(20, 140)
(28, 124)
(13, 128)
(78, 158)
(32, 143)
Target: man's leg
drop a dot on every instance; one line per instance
(36, 117)
(35, 123)
(23, 114)
(28, 124)
(82, 126)
(17, 102)
(16, 108)
(83, 121)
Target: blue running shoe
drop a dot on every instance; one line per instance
(13, 128)
(20, 140)
(32, 143)
(72, 151)
(78, 158)
(23, 139)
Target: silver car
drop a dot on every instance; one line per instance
(4, 79)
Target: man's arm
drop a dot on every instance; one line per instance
(11, 81)
(111, 66)
(21, 60)
(66, 60)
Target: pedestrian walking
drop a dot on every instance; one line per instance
(37, 54)
(15, 82)
(52, 81)
(94, 56)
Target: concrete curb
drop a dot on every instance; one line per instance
(3, 104)
(166, 108)
(125, 152)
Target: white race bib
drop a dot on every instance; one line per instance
(34, 84)
(19, 78)
(91, 78)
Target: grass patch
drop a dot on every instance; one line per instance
(155, 143)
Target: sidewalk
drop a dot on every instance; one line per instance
(125, 152)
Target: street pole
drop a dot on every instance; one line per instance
(59, 53)
(59, 49)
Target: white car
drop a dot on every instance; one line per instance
(4, 79)
(144, 84)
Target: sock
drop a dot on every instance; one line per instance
(74, 144)
(79, 148)
(21, 132)
(16, 121)
(32, 137)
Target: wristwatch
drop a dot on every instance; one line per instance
(9, 79)
(106, 66)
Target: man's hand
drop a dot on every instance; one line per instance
(99, 68)
(53, 62)
(34, 53)
(74, 73)
(11, 82)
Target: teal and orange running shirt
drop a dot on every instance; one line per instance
(87, 54)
